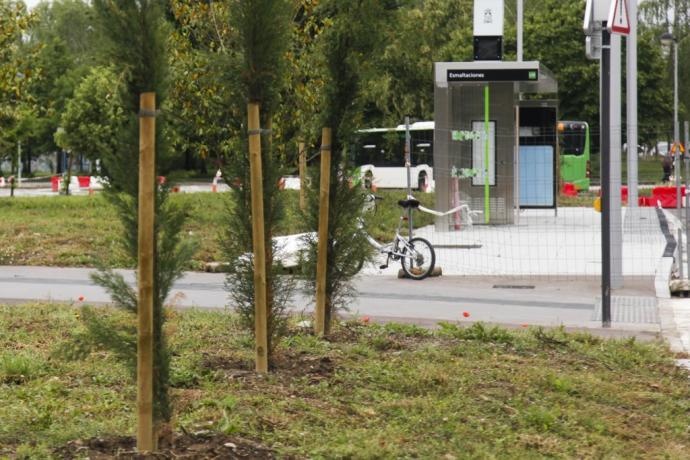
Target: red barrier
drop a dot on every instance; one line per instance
(569, 189)
(666, 196)
(646, 201)
(84, 181)
(55, 183)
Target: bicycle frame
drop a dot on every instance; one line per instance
(392, 249)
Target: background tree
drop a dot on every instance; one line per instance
(263, 28)
(65, 33)
(16, 73)
(93, 118)
(414, 36)
(201, 97)
(659, 16)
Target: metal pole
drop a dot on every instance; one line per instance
(408, 164)
(605, 147)
(19, 163)
(516, 173)
(631, 85)
(687, 190)
(520, 18)
(487, 207)
(616, 175)
(676, 127)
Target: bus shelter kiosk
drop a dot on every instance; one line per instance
(477, 137)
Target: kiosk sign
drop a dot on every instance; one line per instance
(493, 75)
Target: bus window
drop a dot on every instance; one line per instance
(385, 147)
(571, 138)
(422, 147)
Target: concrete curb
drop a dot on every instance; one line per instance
(675, 323)
(665, 266)
(662, 277)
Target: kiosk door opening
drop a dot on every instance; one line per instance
(538, 183)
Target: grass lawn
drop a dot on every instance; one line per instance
(649, 169)
(79, 231)
(370, 392)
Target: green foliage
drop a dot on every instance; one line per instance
(477, 331)
(347, 47)
(137, 34)
(17, 367)
(65, 35)
(15, 72)
(94, 116)
(262, 28)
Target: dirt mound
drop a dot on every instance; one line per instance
(188, 447)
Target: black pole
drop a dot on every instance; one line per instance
(605, 169)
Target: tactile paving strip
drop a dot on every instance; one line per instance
(629, 309)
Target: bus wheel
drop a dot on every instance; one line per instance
(368, 180)
(421, 182)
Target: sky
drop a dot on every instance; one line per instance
(31, 3)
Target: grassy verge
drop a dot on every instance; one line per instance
(82, 231)
(649, 170)
(371, 392)
(79, 231)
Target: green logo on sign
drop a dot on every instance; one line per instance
(532, 75)
(465, 135)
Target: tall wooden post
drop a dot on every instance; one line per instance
(147, 159)
(302, 173)
(258, 240)
(324, 190)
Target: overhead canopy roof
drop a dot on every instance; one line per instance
(530, 76)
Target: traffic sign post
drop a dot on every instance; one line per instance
(610, 18)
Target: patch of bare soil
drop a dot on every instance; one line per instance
(187, 447)
(286, 365)
(302, 365)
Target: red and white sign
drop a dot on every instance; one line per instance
(619, 19)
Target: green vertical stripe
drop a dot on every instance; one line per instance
(487, 211)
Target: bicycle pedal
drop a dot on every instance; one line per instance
(383, 267)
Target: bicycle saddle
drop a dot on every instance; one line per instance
(409, 203)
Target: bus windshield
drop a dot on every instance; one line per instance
(571, 138)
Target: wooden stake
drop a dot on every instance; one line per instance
(302, 172)
(147, 159)
(320, 326)
(258, 239)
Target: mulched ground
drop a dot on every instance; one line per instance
(188, 447)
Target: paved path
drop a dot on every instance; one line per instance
(496, 300)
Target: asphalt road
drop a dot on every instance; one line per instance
(495, 300)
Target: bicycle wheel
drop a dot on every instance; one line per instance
(419, 258)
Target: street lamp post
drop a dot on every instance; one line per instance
(668, 41)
